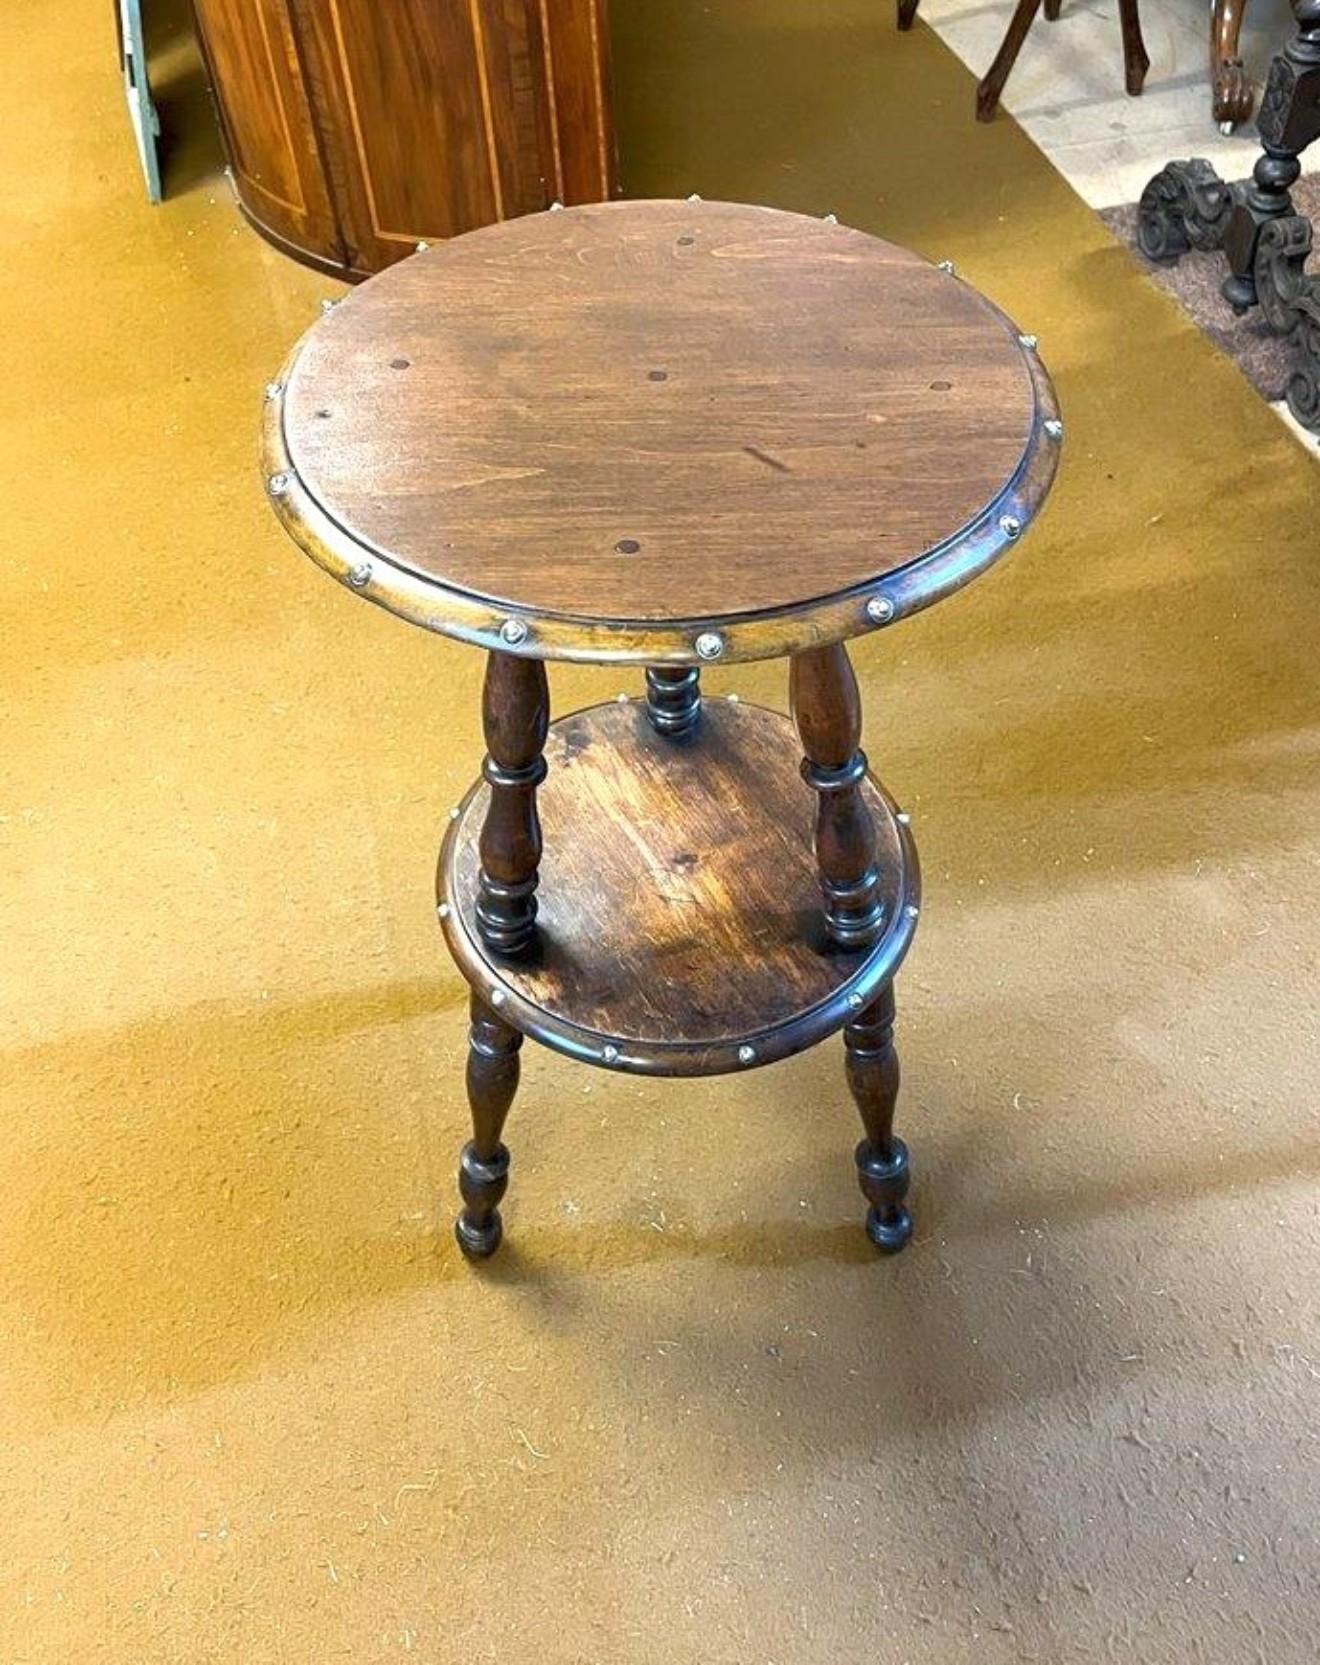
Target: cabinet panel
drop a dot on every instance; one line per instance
(256, 76)
(357, 129)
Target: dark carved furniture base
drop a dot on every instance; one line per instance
(1265, 241)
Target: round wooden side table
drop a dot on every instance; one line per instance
(669, 434)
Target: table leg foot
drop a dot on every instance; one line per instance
(882, 1159)
(483, 1173)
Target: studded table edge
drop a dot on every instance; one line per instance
(727, 639)
(723, 1056)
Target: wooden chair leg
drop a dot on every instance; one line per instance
(882, 1160)
(987, 93)
(907, 11)
(1233, 97)
(1052, 10)
(1135, 60)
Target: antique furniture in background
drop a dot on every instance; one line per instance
(667, 435)
(991, 86)
(355, 130)
(1264, 239)
(1230, 86)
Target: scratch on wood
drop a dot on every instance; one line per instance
(767, 459)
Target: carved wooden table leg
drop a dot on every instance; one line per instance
(828, 713)
(515, 709)
(673, 698)
(483, 1173)
(882, 1159)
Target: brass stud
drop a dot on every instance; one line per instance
(273, 390)
(746, 1054)
(1028, 341)
(513, 631)
(360, 576)
(948, 266)
(1053, 427)
(497, 997)
(879, 609)
(610, 1054)
(1010, 526)
(278, 484)
(710, 644)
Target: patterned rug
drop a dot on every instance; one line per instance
(1265, 358)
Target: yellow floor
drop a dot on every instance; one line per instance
(252, 1405)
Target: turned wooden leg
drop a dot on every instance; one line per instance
(515, 710)
(1135, 59)
(673, 698)
(882, 1160)
(987, 93)
(828, 714)
(1052, 10)
(907, 11)
(483, 1172)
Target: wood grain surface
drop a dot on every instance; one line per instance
(679, 905)
(354, 129)
(642, 411)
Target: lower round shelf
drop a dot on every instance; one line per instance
(680, 926)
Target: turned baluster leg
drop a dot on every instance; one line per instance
(882, 1159)
(673, 698)
(828, 714)
(515, 709)
(483, 1173)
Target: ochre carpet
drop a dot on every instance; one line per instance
(252, 1405)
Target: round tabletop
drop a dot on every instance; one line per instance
(660, 431)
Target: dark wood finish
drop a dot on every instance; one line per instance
(1135, 59)
(624, 409)
(991, 86)
(882, 1159)
(673, 698)
(827, 710)
(268, 125)
(483, 1172)
(679, 904)
(1231, 91)
(357, 129)
(1266, 242)
(515, 709)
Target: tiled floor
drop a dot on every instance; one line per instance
(1066, 88)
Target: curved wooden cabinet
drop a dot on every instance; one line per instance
(356, 129)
